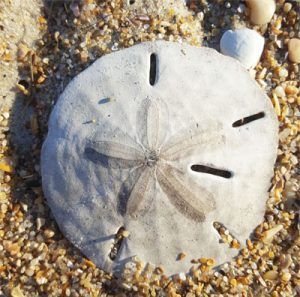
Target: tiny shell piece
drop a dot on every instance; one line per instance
(269, 234)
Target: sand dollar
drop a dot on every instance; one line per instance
(162, 140)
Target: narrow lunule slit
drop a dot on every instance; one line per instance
(249, 119)
(211, 170)
(119, 237)
(153, 69)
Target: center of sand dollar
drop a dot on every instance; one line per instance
(152, 158)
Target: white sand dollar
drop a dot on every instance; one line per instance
(162, 139)
(245, 45)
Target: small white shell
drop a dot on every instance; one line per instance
(245, 45)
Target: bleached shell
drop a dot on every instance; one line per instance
(245, 45)
(196, 89)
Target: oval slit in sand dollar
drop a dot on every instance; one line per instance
(161, 140)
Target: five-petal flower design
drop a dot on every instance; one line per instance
(152, 160)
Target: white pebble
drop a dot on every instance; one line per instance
(245, 45)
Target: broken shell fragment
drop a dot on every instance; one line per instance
(163, 161)
(285, 261)
(17, 292)
(286, 276)
(269, 234)
(181, 256)
(294, 50)
(245, 45)
(271, 275)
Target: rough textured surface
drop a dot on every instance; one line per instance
(186, 118)
(245, 45)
